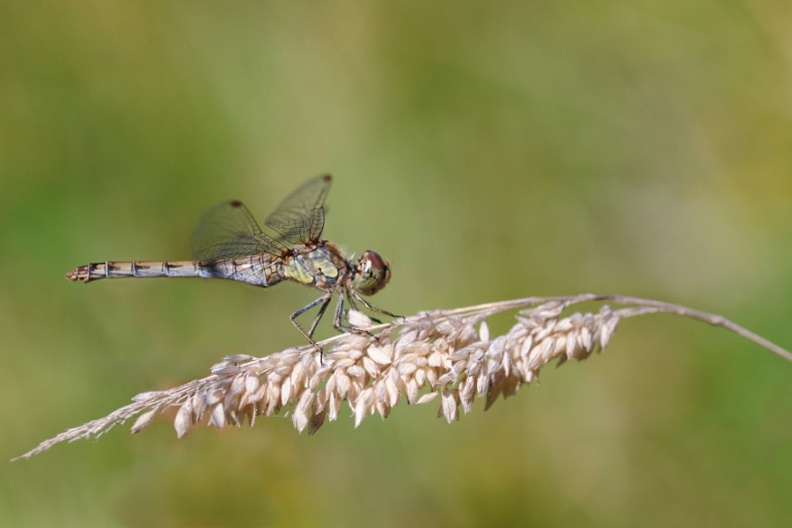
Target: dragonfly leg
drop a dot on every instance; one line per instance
(338, 324)
(371, 307)
(351, 301)
(354, 306)
(309, 335)
(319, 314)
(338, 319)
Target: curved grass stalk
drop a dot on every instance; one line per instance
(446, 355)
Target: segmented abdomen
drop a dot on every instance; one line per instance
(258, 270)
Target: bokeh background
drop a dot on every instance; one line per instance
(490, 151)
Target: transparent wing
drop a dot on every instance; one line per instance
(229, 230)
(300, 217)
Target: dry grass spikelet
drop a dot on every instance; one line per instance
(442, 355)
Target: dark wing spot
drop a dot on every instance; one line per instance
(235, 203)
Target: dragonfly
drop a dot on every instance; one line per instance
(229, 244)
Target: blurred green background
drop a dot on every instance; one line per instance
(490, 151)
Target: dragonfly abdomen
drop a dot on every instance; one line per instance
(259, 270)
(137, 269)
(256, 270)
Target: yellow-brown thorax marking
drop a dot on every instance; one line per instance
(321, 266)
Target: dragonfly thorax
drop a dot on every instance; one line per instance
(320, 266)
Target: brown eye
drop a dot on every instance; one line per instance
(372, 273)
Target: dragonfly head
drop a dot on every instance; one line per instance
(372, 273)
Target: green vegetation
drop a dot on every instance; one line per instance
(489, 151)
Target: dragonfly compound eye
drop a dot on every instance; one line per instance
(373, 273)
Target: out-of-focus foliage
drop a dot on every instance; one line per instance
(489, 150)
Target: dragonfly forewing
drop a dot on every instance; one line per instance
(299, 219)
(228, 230)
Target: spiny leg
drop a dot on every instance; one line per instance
(338, 321)
(371, 307)
(354, 306)
(338, 318)
(293, 318)
(338, 324)
(320, 314)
